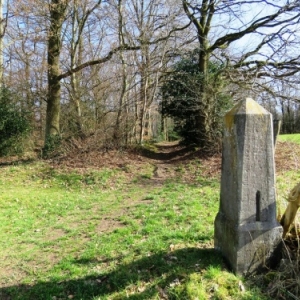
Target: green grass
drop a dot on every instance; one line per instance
(295, 138)
(99, 234)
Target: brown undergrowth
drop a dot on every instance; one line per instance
(168, 155)
(165, 155)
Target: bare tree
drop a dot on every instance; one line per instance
(78, 37)
(265, 34)
(124, 80)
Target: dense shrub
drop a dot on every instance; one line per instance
(183, 99)
(14, 126)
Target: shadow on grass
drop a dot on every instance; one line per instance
(166, 153)
(176, 154)
(140, 279)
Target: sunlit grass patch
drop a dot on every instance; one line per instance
(284, 184)
(295, 138)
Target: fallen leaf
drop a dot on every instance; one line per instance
(162, 293)
(173, 258)
(141, 289)
(175, 283)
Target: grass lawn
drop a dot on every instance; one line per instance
(295, 138)
(124, 232)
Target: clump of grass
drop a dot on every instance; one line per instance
(283, 283)
(74, 179)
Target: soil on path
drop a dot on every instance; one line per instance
(166, 160)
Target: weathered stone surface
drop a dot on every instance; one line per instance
(246, 229)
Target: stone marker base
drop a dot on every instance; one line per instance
(249, 247)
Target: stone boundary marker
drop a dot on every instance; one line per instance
(246, 230)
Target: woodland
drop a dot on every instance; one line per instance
(124, 102)
(116, 73)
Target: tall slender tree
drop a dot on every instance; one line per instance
(57, 11)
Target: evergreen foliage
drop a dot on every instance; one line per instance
(182, 98)
(14, 126)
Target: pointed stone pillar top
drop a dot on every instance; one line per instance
(247, 106)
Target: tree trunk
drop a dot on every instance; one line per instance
(76, 49)
(143, 101)
(206, 101)
(203, 120)
(57, 11)
(122, 97)
(1, 42)
(3, 23)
